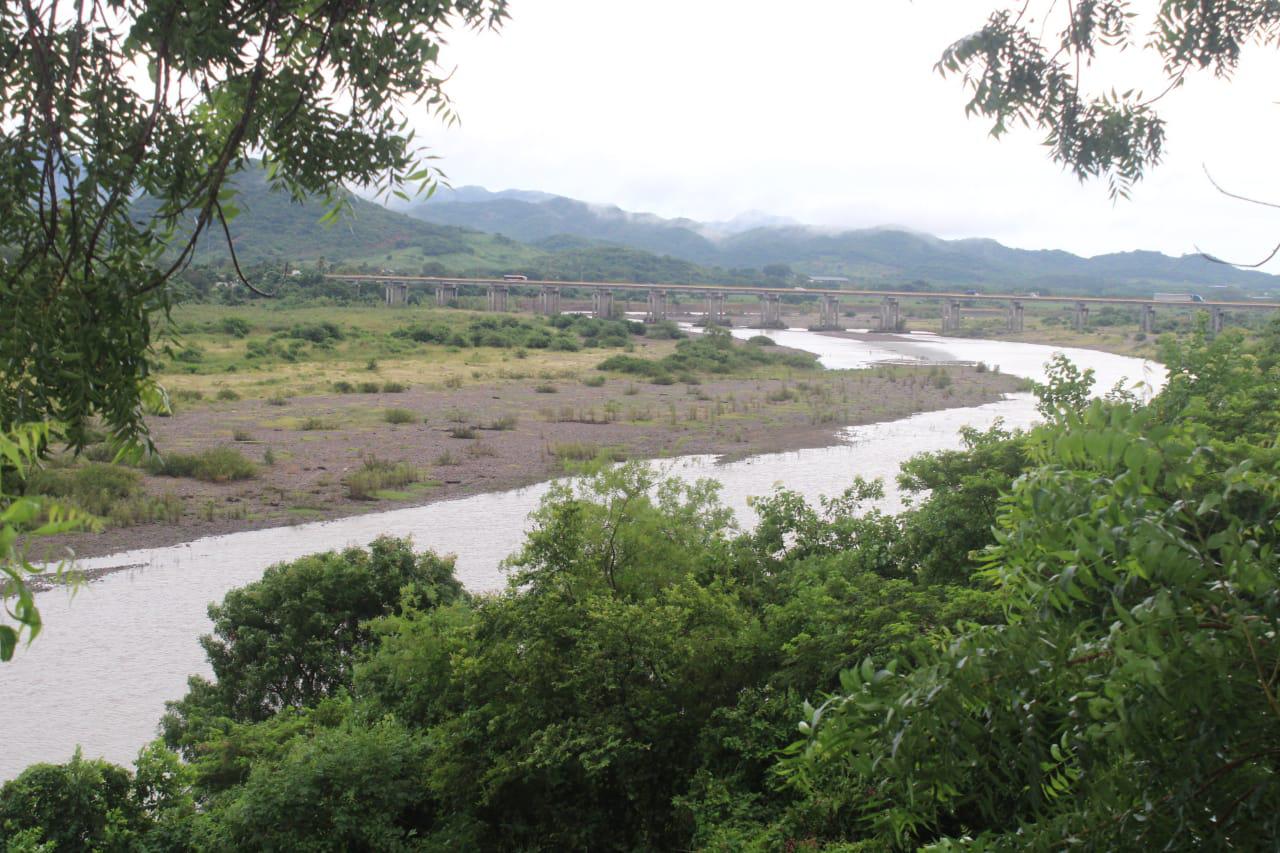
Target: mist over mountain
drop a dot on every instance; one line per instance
(872, 256)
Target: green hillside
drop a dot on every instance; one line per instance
(877, 257)
(271, 227)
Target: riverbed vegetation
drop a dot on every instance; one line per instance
(256, 351)
(320, 389)
(1068, 636)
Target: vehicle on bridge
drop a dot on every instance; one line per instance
(1177, 297)
(515, 277)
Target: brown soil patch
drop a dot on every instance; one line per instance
(735, 417)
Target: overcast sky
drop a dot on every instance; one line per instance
(829, 111)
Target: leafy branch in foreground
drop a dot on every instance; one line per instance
(1026, 66)
(24, 516)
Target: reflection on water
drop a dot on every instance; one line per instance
(111, 656)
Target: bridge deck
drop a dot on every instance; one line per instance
(807, 291)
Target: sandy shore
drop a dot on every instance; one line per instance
(315, 441)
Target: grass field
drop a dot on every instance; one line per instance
(264, 352)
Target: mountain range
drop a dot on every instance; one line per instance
(473, 231)
(873, 256)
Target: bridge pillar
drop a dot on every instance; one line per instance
(715, 309)
(829, 314)
(1081, 317)
(446, 294)
(657, 306)
(1215, 321)
(1015, 316)
(1147, 319)
(602, 303)
(771, 311)
(549, 300)
(890, 314)
(950, 315)
(396, 293)
(498, 297)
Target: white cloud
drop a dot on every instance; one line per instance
(829, 112)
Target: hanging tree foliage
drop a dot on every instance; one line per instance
(102, 102)
(1028, 65)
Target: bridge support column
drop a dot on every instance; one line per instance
(950, 315)
(1215, 321)
(771, 311)
(890, 314)
(829, 314)
(657, 306)
(602, 303)
(715, 309)
(549, 300)
(1147, 319)
(446, 294)
(1015, 316)
(498, 297)
(396, 293)
(1081, 317)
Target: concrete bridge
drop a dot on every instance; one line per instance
(396, 292)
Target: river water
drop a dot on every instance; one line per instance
(111, 654)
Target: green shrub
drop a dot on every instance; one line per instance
(712, 352)
(585, 451)
(344, 387)
(111, 492)
(234, 326)
(545, 388)
(216, 465)
(663, 330)
(394, 387)
(277, 400)
(316, 423)
(241, 435)
(594, 381)
(399, 416)
(762, 341)
(227, 394)
(316, 333)
(369, 387)
(187, 394)
(375, 475)
(462, 431)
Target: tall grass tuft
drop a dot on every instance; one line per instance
(216, 465)
(108, 491)
(374, 475)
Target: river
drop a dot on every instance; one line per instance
(111, 654)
